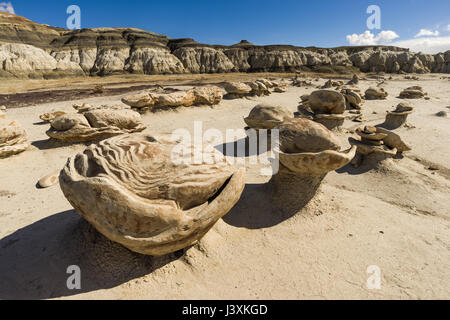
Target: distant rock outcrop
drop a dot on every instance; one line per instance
(29, 49)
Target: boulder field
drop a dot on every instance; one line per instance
(32, 50)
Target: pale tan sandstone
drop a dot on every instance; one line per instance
(130, 189)
(13, 138)
(265, 116)
(95, 125)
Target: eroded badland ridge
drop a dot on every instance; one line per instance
(32, 50)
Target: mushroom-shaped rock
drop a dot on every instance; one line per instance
(328, 107)
(376, 93)
(266, 116)
(209, 95)
(95, 125)
(307, 151)
(397, 118)
(236, 89)
(13, 138)
(415, 92)
(49, 117)
(134, 191)
(327, 102)
(375, 143)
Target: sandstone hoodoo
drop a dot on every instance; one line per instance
(133, 192)
(308, 151)
(327, 107)
(95, 123)
(13, 138)
(376, 93)
(376, 145)
(397, 118)
(266, 116)
(414, 92)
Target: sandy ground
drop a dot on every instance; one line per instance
(396, 218)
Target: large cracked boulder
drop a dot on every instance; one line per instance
(134, 191)
(95, 124)
(13, 138)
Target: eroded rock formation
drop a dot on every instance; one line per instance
(13, 138)
(133, 192)
(95, 123)
(29, 49)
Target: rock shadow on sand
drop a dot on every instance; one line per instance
(34, 260)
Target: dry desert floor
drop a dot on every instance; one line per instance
(395, 217)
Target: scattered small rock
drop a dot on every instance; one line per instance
(434, 167)
(441, 114)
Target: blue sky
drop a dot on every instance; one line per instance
(298, 22)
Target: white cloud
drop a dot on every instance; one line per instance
(7, 7)
(368, 38)
(427, 33)
(425, 45)
(448, 27)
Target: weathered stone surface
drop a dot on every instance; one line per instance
(302, 135)
(13, 138)
(33, 50)
(415, 92)
(353, 100)
(307, 147)
(327, 102)
(265, 116)
(237, 88)
(375, 93)
(95, 124)
(209, 95)
(49, 180)
(130, 189)
(49, 117)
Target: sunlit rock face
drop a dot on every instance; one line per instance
(57, 52)
(136, 192)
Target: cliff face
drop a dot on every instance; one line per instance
(28, 49)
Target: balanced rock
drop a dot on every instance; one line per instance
(265, 116)
(327, 102)
(133, 191)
